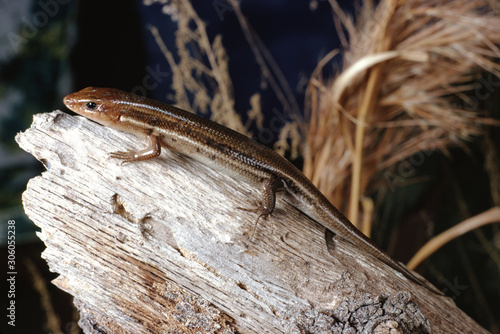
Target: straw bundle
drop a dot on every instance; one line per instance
(402, 91)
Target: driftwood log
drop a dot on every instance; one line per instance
(161, 247)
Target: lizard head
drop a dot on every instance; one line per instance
(98, 104)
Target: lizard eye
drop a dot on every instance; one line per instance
(91, 105)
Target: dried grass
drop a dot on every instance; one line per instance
(201, 79)
(402, 91)
(484, 218)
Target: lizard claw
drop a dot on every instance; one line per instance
(263, 213)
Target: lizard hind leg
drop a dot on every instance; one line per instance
(270, 186)
(263, 212)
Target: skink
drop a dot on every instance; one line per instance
(215, 145)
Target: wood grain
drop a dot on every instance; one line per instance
(161, 246)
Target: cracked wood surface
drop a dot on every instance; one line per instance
(161, 246)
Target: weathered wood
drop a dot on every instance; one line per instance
(161, 246)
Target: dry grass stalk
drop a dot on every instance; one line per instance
(401, 92)
(488, 217)
(290, 136)
(53, 323)
(202, 72)
(200, 77)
